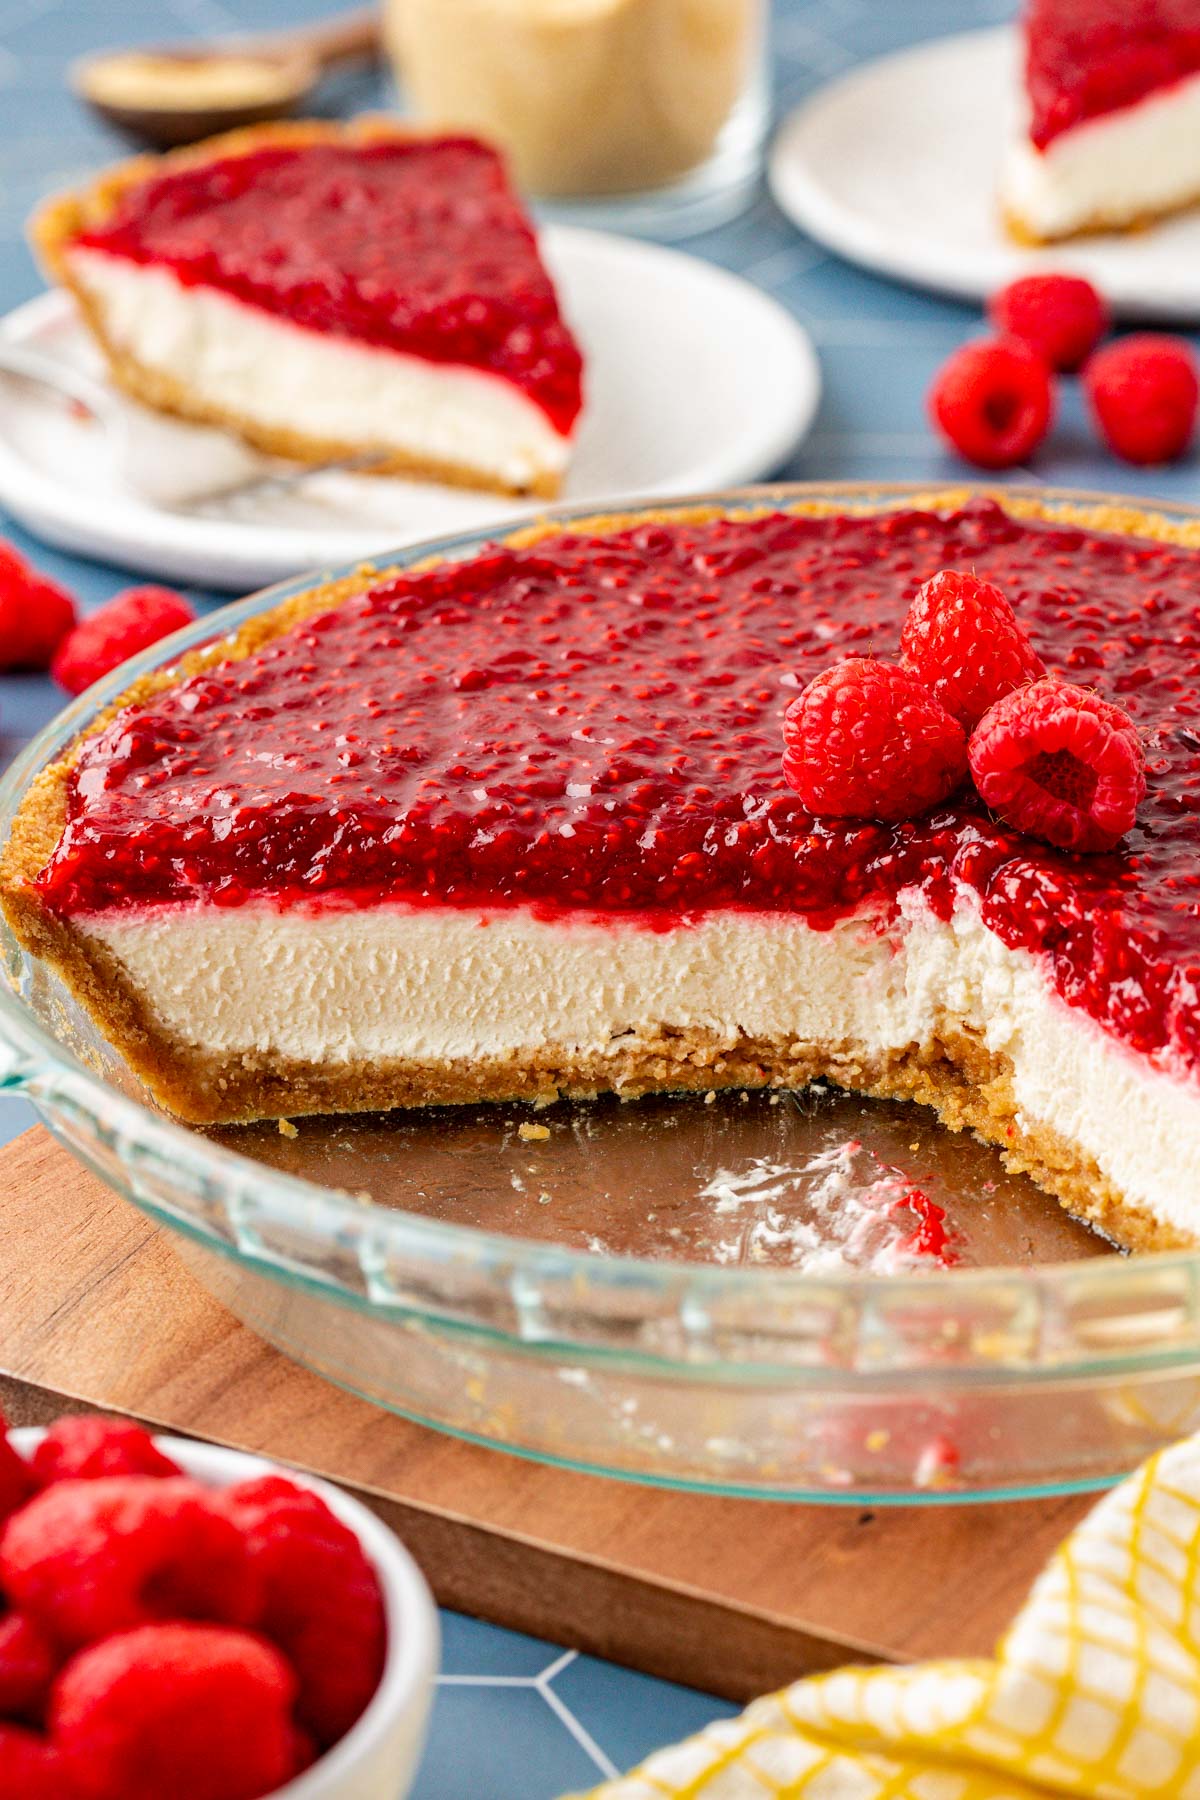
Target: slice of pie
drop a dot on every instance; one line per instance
(1111, 134)
(331, 291)
(516, 825)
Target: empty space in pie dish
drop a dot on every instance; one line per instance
(820, 1180)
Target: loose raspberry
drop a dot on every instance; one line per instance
(35, 613)
(28, 1664)
(16, 1477)
(1061, 764)
(993, 401)
(88, 1447)
(1061, 317)
(961, 639)
(176, 1712)
(86, 1558)
(866, 740)
(131, 622)
(323, 1606)
(1142, 391)
(32, 1769)
(304, 1750)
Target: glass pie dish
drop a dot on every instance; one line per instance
(717, 1292)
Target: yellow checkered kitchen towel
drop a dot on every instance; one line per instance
(1094, 1692)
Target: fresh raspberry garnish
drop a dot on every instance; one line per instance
(33, 1769)
(866, 740)
(1061, 317)
(176, 1712)
(16, 1477)
(87, 1558)
(88, 1447)
(1142, 391)
(993, 401)
(961, 639)
(28, 1664)
(1058, 762)
(130, 622)
(35, 613)
(323, 1604)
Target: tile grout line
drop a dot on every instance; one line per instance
(582, 1736)
(556, 1668)
(496, 1681)
(541, 1684)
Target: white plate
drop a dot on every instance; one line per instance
(897, 166)
(695, 380)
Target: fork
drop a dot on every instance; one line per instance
(171, 464)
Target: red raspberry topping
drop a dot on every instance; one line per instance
(28, 1664)
(1061, 317)
(32, 1769)
(1142, 391)
(130, 622)
(1059, 763)
(35, 613)
(16, 1477)
(696, 634)
(961, 639)
(866, 740)
(323, 1604)
(1088, 57)
(87, 1558)
(88, 1447)
(176, 1712)
(993, 402)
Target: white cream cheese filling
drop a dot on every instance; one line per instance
(440, 983)
(1117, 168)
(241, 361)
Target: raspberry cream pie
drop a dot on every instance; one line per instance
(517, 825)
(330, 291)
(1111, 130)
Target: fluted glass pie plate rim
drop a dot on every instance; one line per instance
(626, 1322)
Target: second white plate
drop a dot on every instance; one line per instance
(695, 381)
(896, 166)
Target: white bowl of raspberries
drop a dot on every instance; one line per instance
(182, 1622)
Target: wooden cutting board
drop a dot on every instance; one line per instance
(734, 1596)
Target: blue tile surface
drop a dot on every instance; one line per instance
(517, 1719)
(470, 1648)
(505, 1743)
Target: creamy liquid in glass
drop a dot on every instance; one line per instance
(586, 97)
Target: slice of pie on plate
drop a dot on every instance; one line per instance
(1110, 134)
(330, 291)
(516, 825)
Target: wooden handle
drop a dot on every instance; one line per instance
(351, 37)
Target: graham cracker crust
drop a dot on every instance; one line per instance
(967, 1086)
(56, 225)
